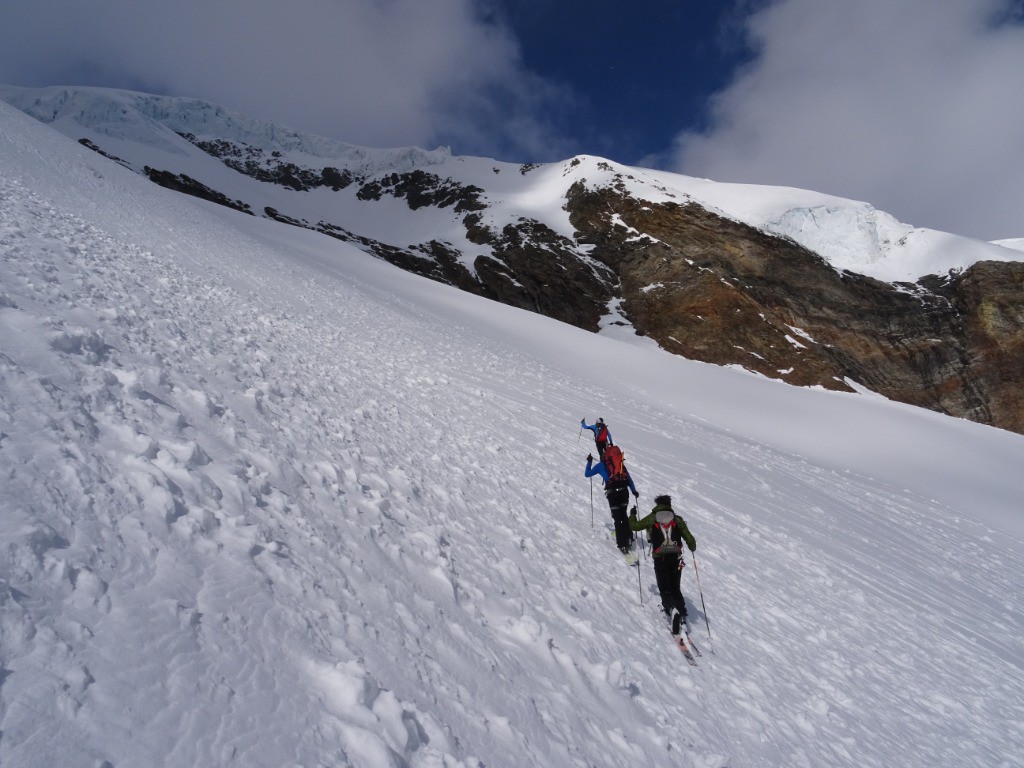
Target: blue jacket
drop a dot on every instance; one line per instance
(600, 469)
(594, 427)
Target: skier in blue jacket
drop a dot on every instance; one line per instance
(617, 486)
(602, 437)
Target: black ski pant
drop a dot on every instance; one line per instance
(666, 573)
(618, 501)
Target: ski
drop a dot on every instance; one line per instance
(686, 651)
(693, 645)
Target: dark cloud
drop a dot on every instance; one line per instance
(913, 106)
(372, 72)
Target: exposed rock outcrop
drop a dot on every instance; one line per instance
(180, 182)
(716, 290)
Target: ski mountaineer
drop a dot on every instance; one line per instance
(617, 487)
(667, 532)
(602, 437)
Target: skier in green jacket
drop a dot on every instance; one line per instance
(667, 532)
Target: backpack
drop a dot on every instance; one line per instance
(665, 536)
(614, 464)
(601, 435)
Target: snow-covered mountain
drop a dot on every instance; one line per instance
(790, 284)
(143, 129)
(623, 251)
(268, 501)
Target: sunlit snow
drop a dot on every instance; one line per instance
(268, 501)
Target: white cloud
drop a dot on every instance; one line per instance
(913, 106)
(373, 72)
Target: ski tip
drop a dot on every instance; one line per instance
(686, 651)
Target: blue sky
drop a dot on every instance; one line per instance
(640, 75)
(911, 105)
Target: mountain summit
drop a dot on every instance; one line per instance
(789, 284)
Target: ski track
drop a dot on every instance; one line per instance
(873, 648)
(289, 503)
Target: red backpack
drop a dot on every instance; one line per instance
(614, 464)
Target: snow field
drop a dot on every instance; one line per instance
(206, 517)
(264, 506)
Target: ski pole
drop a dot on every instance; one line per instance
(639, 586)
(696, 572)
(591, 501)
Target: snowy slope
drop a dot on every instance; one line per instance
(1016, 244)
(268, 501)
(144, 130)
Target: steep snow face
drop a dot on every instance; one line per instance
(855, 237)
(866, 241)
(1016, 244)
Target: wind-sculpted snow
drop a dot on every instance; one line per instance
(267, 501)
(866, 241)
(851, 237)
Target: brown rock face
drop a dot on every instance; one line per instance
(715, 290)
(989, 298)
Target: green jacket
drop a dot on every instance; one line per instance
(648, 522)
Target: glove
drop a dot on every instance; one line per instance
(582, 422)
(632, 513)
(590, 458)
(636, 495)
(693, 548)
